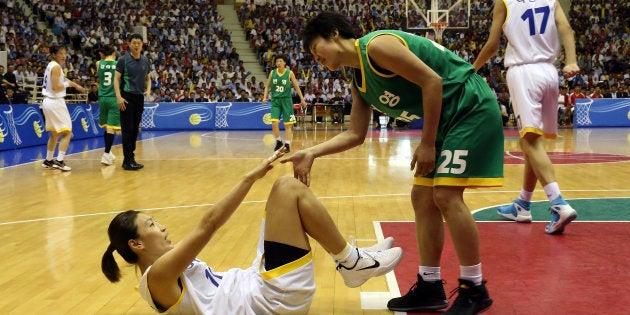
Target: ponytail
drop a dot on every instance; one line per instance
(109, 266)
(122, 229)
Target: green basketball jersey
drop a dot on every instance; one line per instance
(400, 98)
(280, 84)
(106, 70)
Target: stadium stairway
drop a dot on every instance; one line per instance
(240, 42)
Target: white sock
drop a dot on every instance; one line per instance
(61, 156)
(50, 155)
(279, 139)
(471, 273)
(288, 142)
(348, 256)
(430, 274)
(552, 190)
(526, 195)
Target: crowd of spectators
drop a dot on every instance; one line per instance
(601, 29)
(194, 59)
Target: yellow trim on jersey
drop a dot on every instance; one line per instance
(538, 132)
(108, 126)
(458, 182)
(278, 72)
(286, 268)
(179, 300)
(60, 130)
(368, 57)
(362, 88)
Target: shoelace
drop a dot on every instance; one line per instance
(462, 298)
(362, 254)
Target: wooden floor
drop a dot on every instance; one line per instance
(53, 225)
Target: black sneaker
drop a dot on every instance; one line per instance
(287, 148)
(48, 164)
(423, 296)
(472, 299)
(278, 146)
(61, 165)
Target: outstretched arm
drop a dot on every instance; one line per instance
(360, 116)
(162, 278)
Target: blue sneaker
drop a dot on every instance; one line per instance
(518, 211)
(561, 215)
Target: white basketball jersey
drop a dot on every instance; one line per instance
(530, 28)
(288, 289)
(47, 87)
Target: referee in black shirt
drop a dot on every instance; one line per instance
(131, 81)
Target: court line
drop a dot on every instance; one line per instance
(324, 197)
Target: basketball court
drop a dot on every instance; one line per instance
(54, 224)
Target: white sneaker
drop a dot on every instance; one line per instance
(112, 157)
(106, 159)
(382, 245)
(61, 165)
(370, 264)
(561, 215)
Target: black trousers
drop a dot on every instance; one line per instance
(130, 120)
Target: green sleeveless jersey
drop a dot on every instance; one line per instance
(106, 69)
(280, 84)
(400, 98)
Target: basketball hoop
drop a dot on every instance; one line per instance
(439, 28)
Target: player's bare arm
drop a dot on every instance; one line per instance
(389, 53)
(571, 67)
(499, 14)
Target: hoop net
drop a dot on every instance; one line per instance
(438, 28)
(581, 112)
(147, 116)
(221, 115)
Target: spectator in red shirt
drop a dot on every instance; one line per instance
(597, 93)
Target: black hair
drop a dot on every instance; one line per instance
(325, 25)
(279, 56)
(54, 49)
(107, 50)
(133, 36)
(122, 229)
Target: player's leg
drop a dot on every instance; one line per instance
(469, 161)
(288, 116)
(427, 294)
(528, 110)
(50, 149)
(275, 121)
(65, 127)
(294, 211)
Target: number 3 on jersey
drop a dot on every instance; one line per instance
(454, 162)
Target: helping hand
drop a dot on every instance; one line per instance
(302, 163)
